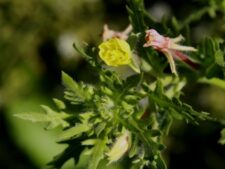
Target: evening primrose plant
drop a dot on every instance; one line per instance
(127, 118)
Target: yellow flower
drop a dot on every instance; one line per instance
(115, 52)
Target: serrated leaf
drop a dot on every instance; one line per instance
(97, 154)
(106, 90)
(100, 127)
(135, 10)
(172, 86)
(178, 108)
(60, 104)
(212, 55)
(134, 147)
(132, 99)
(73, 132)
(88, 58)
(214, 81)
(54, 118)
(33, 117)
(160, 163)
(89, 142)
(129, 108)
(159, 88)
(111, 79)
(76, 93)
(84, 117)
(165, 122)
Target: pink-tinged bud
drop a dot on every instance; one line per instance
(155, 40)
(109, 34)
(169, 47)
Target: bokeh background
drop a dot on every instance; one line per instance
(36, 38)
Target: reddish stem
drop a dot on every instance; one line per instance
(184, 58)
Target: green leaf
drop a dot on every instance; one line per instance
(129, 108)
(100, 127)
(88, 58)
(54, 118)
(219, 58)
(132, 40)
(89, 142)
(76, 93)
(33, 117)
(60, 104)
(176, 115)
(111, 79)
(134, 147)
(135, 10)
(165, 121)
(73, 132)
(222, 139)
(214, 81)
(172, 86)
(97, 154)
(106, 90)
(211, 52)
(177, 108)
(85, 117)
(160, 163)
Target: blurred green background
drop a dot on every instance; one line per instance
(36, 39)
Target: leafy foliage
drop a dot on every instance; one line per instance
(212, 57)
(143, 105)
(222, 139)
(54, 118)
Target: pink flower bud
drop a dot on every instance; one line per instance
(109, 34)
(155, 40)
(169, 47)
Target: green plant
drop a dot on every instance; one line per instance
(130, 116)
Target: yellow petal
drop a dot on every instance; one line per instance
(115, 52)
